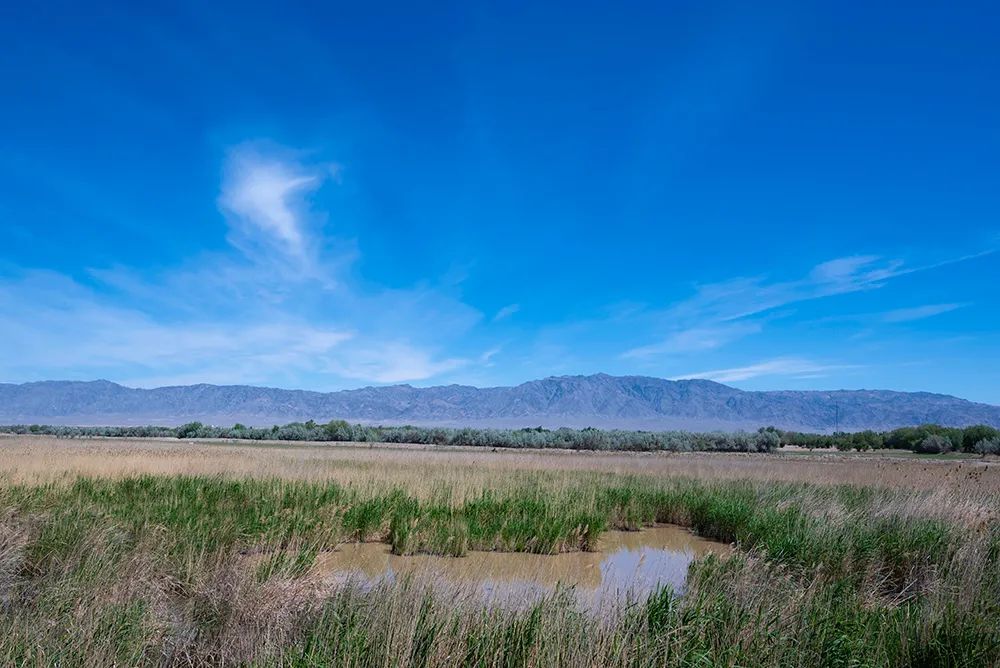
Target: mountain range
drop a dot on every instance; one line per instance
(629, 402)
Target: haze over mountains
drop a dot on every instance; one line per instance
(600, 400)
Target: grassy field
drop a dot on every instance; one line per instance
(163, 552)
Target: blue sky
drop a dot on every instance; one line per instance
(800, 196)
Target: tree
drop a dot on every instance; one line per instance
(190, 430)
(988, 446)
(971, 436)
(866, 440)
(337, 430)
(934, 444)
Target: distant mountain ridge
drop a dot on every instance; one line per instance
(634, 402)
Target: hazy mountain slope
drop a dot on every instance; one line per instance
(599, 400)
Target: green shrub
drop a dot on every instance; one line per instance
(988, 446)
(934, 444)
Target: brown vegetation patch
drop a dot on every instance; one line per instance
(427, 468)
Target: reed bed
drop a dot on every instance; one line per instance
(216, 568)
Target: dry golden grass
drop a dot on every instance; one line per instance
(423, 469)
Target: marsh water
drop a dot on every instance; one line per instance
(627, 564)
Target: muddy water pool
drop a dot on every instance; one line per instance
(627, 564)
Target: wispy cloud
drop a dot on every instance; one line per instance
(265, 199)
(258, 193)
(694, 340)
(919, 312)
(394, 362)
(73, 327)
(783, 366)
(276, 308)
(720, 313)
(486, 358)
(743, 297)
(280, 305)
(506, 312)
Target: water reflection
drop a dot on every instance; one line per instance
(632, 563)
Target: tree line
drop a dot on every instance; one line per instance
(534, 437)
(925, 438)
(928, 438)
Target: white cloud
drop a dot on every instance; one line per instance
(486, 359)
(853, 272)
(278, 311)
(784, 366)
(393, 362)
(742, 297)
(717, 313)
(258, 194)
(697, 339)
(919, 312)
(506, 312)
(264, 198)
(278, 307)
(73, 327)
